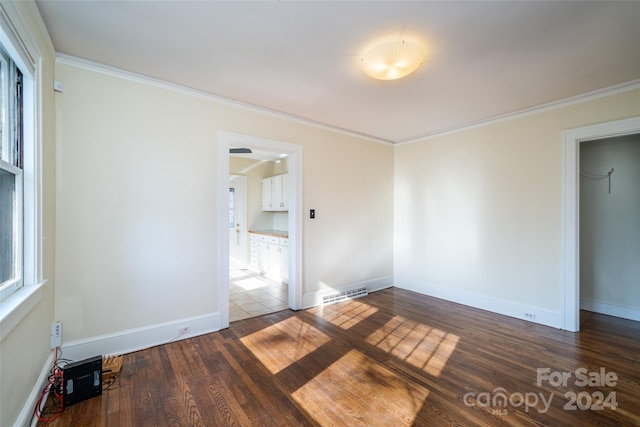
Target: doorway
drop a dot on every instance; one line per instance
(260, 230)
(571, 212)
(293, 153)
(610, 226)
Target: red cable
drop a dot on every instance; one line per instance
(54, 379)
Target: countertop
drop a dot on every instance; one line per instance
(276, 233)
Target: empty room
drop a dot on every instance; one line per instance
(343, 213)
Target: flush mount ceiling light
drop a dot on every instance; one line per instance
(393, 60)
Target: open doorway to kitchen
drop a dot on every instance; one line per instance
(260, 225)
(258, 232)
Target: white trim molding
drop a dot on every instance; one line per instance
(17, 306)
(137, 339)
(294, 151)
(139, 78)
(571, 212)
(610, 309)
(494, 305)
(27, 416)
(599, 93)
(20, 45)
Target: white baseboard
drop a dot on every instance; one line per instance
(494, 305)
(314, 299)
(117, 343)
(26, 417)
(138, 339)
(610, 309)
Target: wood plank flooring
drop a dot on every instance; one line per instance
(394, 358)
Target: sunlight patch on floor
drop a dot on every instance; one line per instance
(354, 313)
(251, 283)
(356, 390)
(420, 345)
(284, 343)
(234, 274)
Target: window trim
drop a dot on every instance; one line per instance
(28, 58)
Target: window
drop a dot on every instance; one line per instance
(232, 207)
(11, 176)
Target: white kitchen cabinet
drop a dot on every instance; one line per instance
(263, 255)
(275, 192)
(270, 256)
(279, 190)
(267, 204)
(254, 256)
(283, 252)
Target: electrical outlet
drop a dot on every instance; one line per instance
(56, 334)
(531, 316)
(184, 330)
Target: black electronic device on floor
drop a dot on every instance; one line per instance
(81, 380)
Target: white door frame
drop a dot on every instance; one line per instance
(571, 212)
(294, 151)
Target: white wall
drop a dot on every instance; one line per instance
(610, 224)
(137, 203)
(478, 212)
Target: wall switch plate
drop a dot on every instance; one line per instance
(56, 334)
(312, 213)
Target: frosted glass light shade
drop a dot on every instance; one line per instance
(392, 60)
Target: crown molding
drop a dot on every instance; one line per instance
(565, 102)
(139, 78)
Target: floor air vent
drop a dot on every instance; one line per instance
(343, 296)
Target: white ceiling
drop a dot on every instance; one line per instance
(485, 59)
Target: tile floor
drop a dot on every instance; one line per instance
(253, 295)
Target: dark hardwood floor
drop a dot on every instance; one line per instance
(393, 358)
